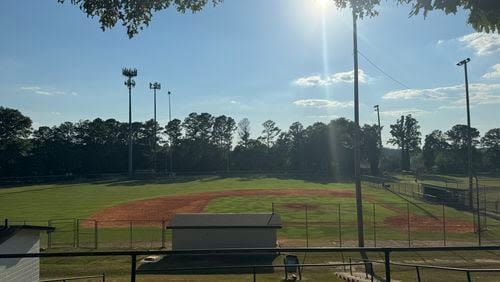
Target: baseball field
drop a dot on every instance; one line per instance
(124, 214)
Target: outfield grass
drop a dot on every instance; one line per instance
(80, 200)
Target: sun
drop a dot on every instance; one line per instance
(322, 3)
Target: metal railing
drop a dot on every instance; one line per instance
(386, 251)
(467, 271)
(102, 277)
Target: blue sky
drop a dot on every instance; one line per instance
(281, 60)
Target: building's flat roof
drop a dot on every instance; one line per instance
(8, 231)
(224, 220)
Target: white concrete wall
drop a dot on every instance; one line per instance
(21, 269)
(183, 239)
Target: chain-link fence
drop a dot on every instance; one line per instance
(410, 223)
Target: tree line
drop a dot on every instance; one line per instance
(202, 142)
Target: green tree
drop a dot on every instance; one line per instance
(136, 15)
(244, 132)
(296, 152)
(406, 135)
(340, 139)
(491, 142)
(269, 133)
(15, 129)
(457, 137)
(370, 148)
(434, 143)
(174, 131)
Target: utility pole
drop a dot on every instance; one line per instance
(129, 73)
(357, 170)
(377, 108)
(171, 151)
(469, 139)
(155, 86)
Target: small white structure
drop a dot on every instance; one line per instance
(20, 239)
(216, 230)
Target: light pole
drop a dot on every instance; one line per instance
(469, 139)
(377, 109)
(129, 73)
(155, 86)
(357, 170)
(171, 151)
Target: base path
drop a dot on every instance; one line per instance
(150, 212)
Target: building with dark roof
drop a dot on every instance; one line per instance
(20, 239)
(224, 230)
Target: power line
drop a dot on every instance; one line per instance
(382, 71)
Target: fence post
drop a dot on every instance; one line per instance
(374, 227)
(103, 277)
(78, 233)
(96, 238)
(418, 273)
(307, 230)
(350, 266)
(409, 232)
(469, 279)
(163, 233)
(485, 209)
(74, 232)
(130, 229)
(49, 235)
(444, 227)
(387, 263)
(254, 275)
(133, 267)
(340, 228)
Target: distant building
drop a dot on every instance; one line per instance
(216, 231)
(20, 239)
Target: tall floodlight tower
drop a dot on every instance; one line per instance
(171, 151)
(129, 73)
(154, 86)
(469, 138)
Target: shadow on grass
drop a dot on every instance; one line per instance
(314, 178)
(210, 264)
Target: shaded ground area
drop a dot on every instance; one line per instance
(165, 208)
(207, 264)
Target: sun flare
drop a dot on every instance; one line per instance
(322, 3)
